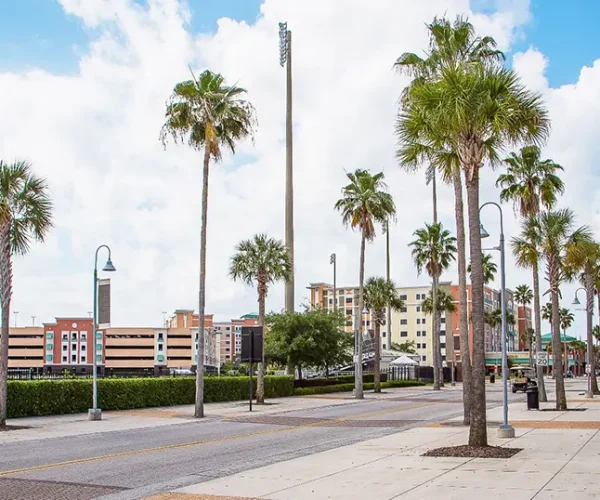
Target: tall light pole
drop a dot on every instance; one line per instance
(388, 310)
(33, 321)
(16, 313)
(590, 345)
(95, 413)
(506, 430)
(164, 313)
(285, 59)
(332, 260)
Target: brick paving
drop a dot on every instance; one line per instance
(533, 424)
(30, 489)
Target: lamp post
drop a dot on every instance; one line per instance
(332, 260)
(285, 59)
(16, 313)
(590, 346)
(218, 334)
(506, 430)
(95, 413)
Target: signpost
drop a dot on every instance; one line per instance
(252, 350)
(541, 358)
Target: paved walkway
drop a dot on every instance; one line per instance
(560, 459)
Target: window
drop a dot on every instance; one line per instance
(73, 335)
(418, 333)
(160, 347)
(65, 336)
(49, 347)
(64, 359)
(424, 345)
(418, 321)
(98, 357)
(228, 328)
(98, 335)
(49, 357)
(160, 357)
(423, 358)
(348, 300)
(403, 309)
(83, 336)
(457, 343)
(442, 345)
(49, 335)
(83, 347)
(161, 338)
(348, 312)
(443, 320)
(83, 359)
(423, 333)
(66, 347)
(442, 332)
(418, 309)
(418, 346)
(423, 321)
(73, 358)
(404, 322)
(383, 334)
(403, 297)
(73, 347)
(403, 334)
(418, 296)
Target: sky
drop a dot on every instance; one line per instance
(82, 90)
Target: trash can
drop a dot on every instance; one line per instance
(492, 378)
(533, 400)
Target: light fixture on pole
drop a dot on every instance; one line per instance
(16, 313)
(332, 260)
(94, 412)
(590, 347)
(506, 430)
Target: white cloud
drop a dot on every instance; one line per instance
(95, 136)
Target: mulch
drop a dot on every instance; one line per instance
(6, 428)
(466, 451)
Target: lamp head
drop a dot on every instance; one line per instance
(483, 232)
(109, 267)
(576, 301)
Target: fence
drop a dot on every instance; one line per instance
(403, 372)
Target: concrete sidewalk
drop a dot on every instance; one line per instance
(560, 459)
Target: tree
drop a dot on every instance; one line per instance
(434, 250)
(25, 216)
(451, 45)
(526, 249)
(407, 347)
(524, 296)
(566, 321)
(208, 115)
(445, 304)
(596, 332)
(560, 243)
(489, 268)
(380, 294)
(365, 202)
(261, 261)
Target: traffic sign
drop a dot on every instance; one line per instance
(541, 358)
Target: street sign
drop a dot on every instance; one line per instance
(541, 358)
(252, 351)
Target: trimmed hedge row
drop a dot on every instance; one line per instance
(57, 397)
(341, 379)
(309, 391)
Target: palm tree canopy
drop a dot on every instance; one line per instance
(566, 318)
(433, 249)
(365, 201)
(526, 246)
(523, 295)
(261, 260)
(379, 294)
(547, 311)
(493, 318)
(489, 268)
(531, 183)
(445, 302)
(24, 203)
(207, 113)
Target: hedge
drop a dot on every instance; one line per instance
(309, 391)
(56, 397)
(341, 379)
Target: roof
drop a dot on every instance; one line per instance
(548, 338)
(251, 315)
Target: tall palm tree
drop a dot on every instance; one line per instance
(526, 249)
(523, 297)
(445, 304)
(451, 45)
(261, 261)
(434, 249)
(208, 115)
(566, 321)
(365, 202)
(489, 268)
(25, 216)
(380, 294)
(560, 242)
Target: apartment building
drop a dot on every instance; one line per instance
(229, 336)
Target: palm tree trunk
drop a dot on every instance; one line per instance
(377, 358)
(538, 331)
(388, 318)
(199, 408)
(465, 351)
(5, 296)
(358, 372)
(589, 308)
(478, 423)
(561, 399)
(260, 376)
(434, 334)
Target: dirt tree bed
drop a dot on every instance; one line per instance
(466, 451)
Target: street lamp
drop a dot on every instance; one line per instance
(95, 413)
(506, 430)
(333, 260)
(590, 392)
(16, 313)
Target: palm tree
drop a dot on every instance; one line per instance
(445, 304)
(365, 202)
(434, 250)
(596, 333)
(561, 243)
(261, 261)
(208, 115)
(566, 321)
(489, 268)
(25, 216)
(380, 294)
(526, 249)
(450, 45)
(524, 296)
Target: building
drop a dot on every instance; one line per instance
(26, 347)
(229, 336)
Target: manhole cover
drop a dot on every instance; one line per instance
(30, 489)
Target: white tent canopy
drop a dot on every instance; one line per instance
(404, 360)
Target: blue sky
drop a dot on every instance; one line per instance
(52, 40)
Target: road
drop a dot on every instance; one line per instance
(123, 465)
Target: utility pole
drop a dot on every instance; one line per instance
(285, 59)
(33, 321)
(332, 260)
(16, 313)
(388, 316)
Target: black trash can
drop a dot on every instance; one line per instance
(533, 400)
(492, 378)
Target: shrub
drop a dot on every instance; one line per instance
(309, 391)
(55, 397)
(341, 379)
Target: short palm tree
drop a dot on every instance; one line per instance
(523, 297)
(526, 249)
(445, 304)
(596, 333)
(209, 116)
(561, 242)
(489, 268)
(261, 261)
(364, 203)
(434, 249)
(25, 216)
(380, 294)
(566, 321)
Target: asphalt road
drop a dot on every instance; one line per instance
(124, 465)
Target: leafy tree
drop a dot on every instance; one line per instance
(561, 242)
(364, 203)
(434, 250)
(262, 261)
(489, 268)
(407, 347)
(379, 294)
(208, 115)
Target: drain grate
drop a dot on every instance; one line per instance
(32, 489)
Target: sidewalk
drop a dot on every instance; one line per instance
(560, 459)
